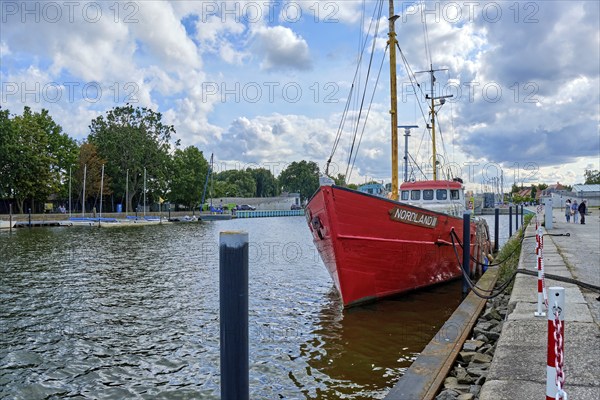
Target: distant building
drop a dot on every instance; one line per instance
(590, 193)
(558, 188)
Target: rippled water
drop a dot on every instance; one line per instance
(127, 313)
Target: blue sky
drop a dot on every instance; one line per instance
(265, 82)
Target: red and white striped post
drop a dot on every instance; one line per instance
(555, 376)
(540, 268)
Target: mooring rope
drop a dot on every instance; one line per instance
(477, 290)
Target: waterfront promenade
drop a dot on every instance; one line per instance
(518, 370)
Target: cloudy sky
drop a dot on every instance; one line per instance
(266, 82)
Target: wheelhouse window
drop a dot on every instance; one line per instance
(415, 195)
(428, 194)
(454, 194)
(404, 195)
(441, 194)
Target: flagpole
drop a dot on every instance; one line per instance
(101, 191)
(70, 192)
(127, 193)
(83, 200)
(144, 192)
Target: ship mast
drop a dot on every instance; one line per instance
(442, 101)
(392, 43)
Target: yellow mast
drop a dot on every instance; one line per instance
(392, 42)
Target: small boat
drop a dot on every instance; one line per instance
(215, 217)
(185, 218)
(376, 244)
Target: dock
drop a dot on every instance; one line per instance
(268, 213)
(518, 369)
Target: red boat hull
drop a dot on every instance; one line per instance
(374, 247)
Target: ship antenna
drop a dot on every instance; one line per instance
(442, 101)
(407, 129)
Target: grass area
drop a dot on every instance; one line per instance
(511, 252)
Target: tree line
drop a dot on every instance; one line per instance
(40, 163)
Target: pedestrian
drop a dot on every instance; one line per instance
(568, 210)
(582, 209)
(574, 212)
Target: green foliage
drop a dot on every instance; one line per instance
(266, 183)
(235, 183)
(89, 163)
(300, 177)
(340, 180)
(592, 177)
(35, 156)
(131, 139)
(187, 177)
(511, 252)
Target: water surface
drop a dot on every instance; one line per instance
(132, 313)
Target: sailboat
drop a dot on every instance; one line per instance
(374, 246)
(213, 214)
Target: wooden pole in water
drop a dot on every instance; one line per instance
(466, 250)
(233, 301)
(10, 218)
(496, 229)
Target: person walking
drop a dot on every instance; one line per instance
(582, 209)
(574, 212)
(568, 210)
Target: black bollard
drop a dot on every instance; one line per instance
(510, 221)
(522, 213)
(29, 211)
(466, 251)
(233, 301)
(517, 218)
(496, 228)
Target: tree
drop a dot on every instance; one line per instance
(188, 174)
(241, 183)
(131, 139)
(35, 156)
(266, 183)
(8, 154)
(592, 177)
(340, 180)
(300, 177)
(89, 165)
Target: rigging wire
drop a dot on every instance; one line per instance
(349, 98)
(368, 111)
(426, 33)
(364, 92)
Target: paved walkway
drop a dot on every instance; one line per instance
(518, 370)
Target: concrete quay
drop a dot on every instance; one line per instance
(518, 369)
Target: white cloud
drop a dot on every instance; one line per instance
(168, 67)
(281, 48)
